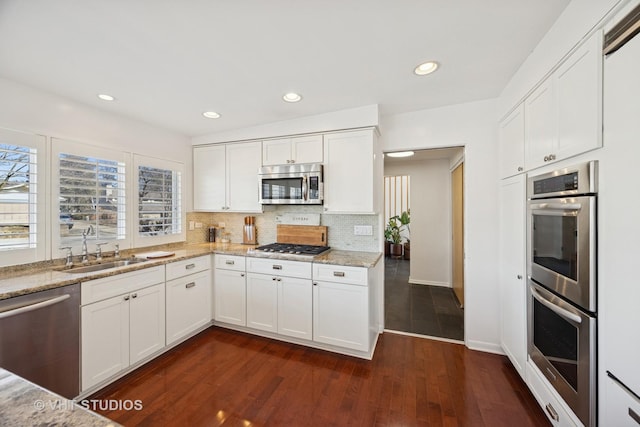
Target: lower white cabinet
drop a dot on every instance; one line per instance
(188, 304)
(120, 331)
(341, 310)
(262, 302)
(552, 404)
(229, 290)
(622, 408)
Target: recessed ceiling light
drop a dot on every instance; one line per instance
(401, 154)
(106, 97)
(211, 115)
(426, 68)
(291, 97)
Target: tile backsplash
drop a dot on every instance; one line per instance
(340, 227)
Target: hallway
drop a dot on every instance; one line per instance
(420, 309)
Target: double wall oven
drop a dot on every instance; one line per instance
(561, 270)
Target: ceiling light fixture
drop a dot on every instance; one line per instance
(211, 115)
(106, 97)
(291, 97)
(401, 154)
(426, 68)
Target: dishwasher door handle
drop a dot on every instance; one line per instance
(33, 307)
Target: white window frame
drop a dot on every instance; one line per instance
(140, 240)
(39, 252)
(83, 149)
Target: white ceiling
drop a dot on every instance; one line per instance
(168, 61)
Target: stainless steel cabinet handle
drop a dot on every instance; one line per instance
(279, 279)
(241, 274)
(552, 412)
(520, 168)
(33, 307)
(338, 273)
(134, 296)
(519, 276)
(190, 285)
(229, 262)
(189, 266)
(277, 267)
(126, 298)
(273, 278)
(634, 415)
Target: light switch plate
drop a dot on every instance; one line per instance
(363, 230)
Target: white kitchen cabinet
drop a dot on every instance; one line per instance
(188, 299)
(511, 139)
(622, 408)
(120, 331)
(229, 290)
(279, 297)
(301, 149)
(352, 167)
(554, 407)
(619, 230)
(225, 177)
(563, 116)
(540, 125)
(341, 310)
(513, 296)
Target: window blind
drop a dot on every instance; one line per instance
(159, 201)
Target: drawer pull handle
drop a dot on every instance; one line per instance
(190, 285)
(552, 412)
(277, 267)
(190, 266)
(229, 262)
(338, 273)
(634, 415)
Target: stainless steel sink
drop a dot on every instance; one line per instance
(106, 265)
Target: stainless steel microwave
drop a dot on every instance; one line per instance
(293, 184)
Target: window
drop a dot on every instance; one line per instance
(18, 206)
(91, 198)
(158, 205)
(159, 201)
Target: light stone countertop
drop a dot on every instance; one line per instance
(23, 281)
(26, 404)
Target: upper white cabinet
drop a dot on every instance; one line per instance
(512, 143)
(513, 302)
(352, 164)
(225, 177)
(302, 149)
(563, 116)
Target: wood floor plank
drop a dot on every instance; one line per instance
(227, 378)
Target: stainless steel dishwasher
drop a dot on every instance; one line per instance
(40, 338)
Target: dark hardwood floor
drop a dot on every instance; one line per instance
(223, 377)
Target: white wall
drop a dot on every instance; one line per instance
(474, 126)
(430, 197)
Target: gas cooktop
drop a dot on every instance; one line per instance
(294, 249)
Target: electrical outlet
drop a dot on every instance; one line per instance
(362, 230)
(191, 225)
(198, 225)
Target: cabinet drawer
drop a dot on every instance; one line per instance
(276, 267)
(230, 262)
(188, 266)
(100, 289)
(551, 405)
(620, 407)
(340, 274)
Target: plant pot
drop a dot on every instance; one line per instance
(407, 251)
(387, 249)
(395, 250)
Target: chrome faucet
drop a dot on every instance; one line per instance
(69, 257)
(85, 253)
(99, 250)
(116, 252)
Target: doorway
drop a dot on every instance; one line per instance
(419, 292)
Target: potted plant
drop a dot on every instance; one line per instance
(393, 238)
(405, 219)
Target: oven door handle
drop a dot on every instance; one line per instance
(558, 310)
(557, 206)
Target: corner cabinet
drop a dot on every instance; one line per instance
(352, 167)
(513, 296)
(301, 149)
(225, 177)
(563, 116)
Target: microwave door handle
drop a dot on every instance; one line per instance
(305, 190)
(567, 315)
(557, 206)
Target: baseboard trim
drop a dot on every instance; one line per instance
(429, 283)
(487, 347)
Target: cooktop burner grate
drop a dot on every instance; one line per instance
(290, 248)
